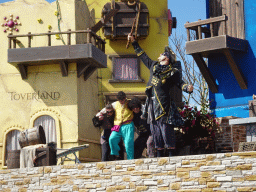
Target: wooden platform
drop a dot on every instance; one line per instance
(87, 56)
(216, 44)
(223, 44)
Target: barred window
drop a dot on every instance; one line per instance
(125, 68)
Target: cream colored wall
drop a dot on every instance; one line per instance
(19, 98)
(88, 106)
(153, 45)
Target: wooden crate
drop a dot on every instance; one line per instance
(121, 24)
(45, 157)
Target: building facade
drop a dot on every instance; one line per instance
(226, 40)
(124, 71)
(49, 80)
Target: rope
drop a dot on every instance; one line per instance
(59, 20)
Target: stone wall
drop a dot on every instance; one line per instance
(221, 172)
(228, 137)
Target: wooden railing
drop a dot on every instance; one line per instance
(197, 26)
(91, 38)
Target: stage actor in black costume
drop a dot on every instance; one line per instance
(160, 110)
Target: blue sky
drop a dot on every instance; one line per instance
(187, 10)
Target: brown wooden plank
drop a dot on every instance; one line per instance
(229, 22)
(220, 32)
(104, 20)
(233, 18)
(211, 8)
(88, 72)
(224, 12)
(126, 25)
(132, 11)
(54, 54)
(235, 69)
(216, 44)
(81, 68)
(205, 21)
(64, 68)
(23, 71)
(205, 72)
(240, 19)
(215, 25)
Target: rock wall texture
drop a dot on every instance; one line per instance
(221, 172)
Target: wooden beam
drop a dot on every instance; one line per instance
(81, 68)
(64, 68)
(104, 20)
(23, 71)
(235, 69)
(54, 54)
(89, 71)
(206, 72)
(206, 21)
(217, 43)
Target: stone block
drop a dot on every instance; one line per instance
(250, 178)
(175, 186)
(162, 188)
(182, 174)
(213, 184)
(139, 162)
(162, 161)
(227, 178)
(206, 174)
(247, 189)
(141, 188)
(100, 166)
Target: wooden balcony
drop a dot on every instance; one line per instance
(214, 44)
(88, 57)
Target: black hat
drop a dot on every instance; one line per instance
(170, 54)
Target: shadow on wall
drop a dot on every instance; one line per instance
(228, 85)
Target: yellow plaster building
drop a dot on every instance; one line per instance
(42, 84)
(111, 80)
(52, 78)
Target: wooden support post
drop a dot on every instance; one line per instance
(94, 40)
(64, 68)
(89, 71)
(81, 68)
(188, 33)
(89, 34)
(14, 43)
(69, 37)
(10, 42)
(206, 72)
(23, 71)
(100, 44)
(225, 26)
(199, 30)
(49, 38)
(211, 29)
(29, 39)
(103, 47)
(234, 67)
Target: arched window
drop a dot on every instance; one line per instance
(48, 123)
(12, 142)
